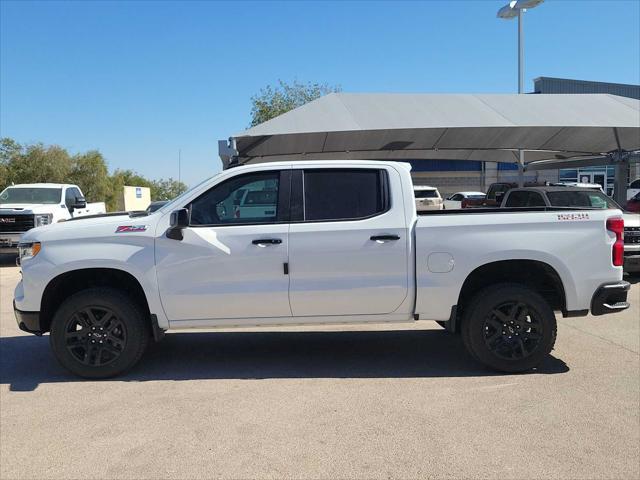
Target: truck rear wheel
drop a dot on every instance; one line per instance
(99, 333)
(509, 327)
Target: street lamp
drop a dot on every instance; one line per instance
(515, 8)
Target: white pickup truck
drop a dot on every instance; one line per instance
(23, 207)
(328, 242)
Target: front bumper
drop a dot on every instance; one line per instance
(9, 242)
(610, 298)
(28, 321)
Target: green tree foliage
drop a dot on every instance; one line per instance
(89, 171)
(53, 164)
(39, 163)
(166, 189)
(9, 149)
(274, 101)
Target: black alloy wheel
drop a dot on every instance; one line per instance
(95, 336)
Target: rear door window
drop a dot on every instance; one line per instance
(344, 194)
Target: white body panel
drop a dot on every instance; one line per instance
(216, 277)
(336, 269)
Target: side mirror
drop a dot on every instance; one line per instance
(178, 221)
(80, 203)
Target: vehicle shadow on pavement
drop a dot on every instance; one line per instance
(26, 362)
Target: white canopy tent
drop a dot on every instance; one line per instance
(483, 127)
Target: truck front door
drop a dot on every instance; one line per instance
(231, 260)
(348, 245)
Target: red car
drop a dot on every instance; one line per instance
(633, 205)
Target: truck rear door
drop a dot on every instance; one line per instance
(348, 242)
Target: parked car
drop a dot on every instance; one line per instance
(462, 200)
(633, 189)
(23, 207)
(344, 245)
(427, 198)
(633, 205)
(572, 197)
(495, 194)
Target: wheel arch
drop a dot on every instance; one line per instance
(65, 284)
(535, 274)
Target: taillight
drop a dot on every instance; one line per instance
(616, 225)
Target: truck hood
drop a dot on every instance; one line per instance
(98, 226)
(29, 208)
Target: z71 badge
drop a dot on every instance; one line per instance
(130, 228)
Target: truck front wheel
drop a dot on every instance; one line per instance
(99, 333)
(509, 327)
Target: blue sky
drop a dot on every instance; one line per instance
(140, 80)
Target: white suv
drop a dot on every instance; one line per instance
(427, 198)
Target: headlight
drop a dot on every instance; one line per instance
(43, 219)
(28, 250)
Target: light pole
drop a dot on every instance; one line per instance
(515, 8)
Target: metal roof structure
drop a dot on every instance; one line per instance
(484, 127)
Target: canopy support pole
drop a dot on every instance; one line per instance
(520, 168)
(621, 182)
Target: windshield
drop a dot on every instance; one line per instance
(585, 199)
(426, 193)
(31, 195)
(173, 204)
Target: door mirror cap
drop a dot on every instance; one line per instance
(79, 202)
(178, 221)
(179, 218)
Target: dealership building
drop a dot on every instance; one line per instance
(454, 175)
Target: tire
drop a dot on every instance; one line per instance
(509, 327)
(99, 333)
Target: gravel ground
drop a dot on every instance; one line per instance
(375, 401)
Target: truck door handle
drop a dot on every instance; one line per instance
(263, 242)
(384, 238)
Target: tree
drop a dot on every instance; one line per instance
(9, 149)
(37, 163)
(166, 189)
(274, 101)
(89, 172)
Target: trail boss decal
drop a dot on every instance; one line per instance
(573, 216)
(130, 228)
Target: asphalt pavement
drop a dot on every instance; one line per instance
(375, 401)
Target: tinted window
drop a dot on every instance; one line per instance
(524, 199)
(70, 196)
(491, 194)
(343, 194)
(31, 195)
(586, 199)
(250, 198)
(635, 184)
(457, 197)
(425, 194)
